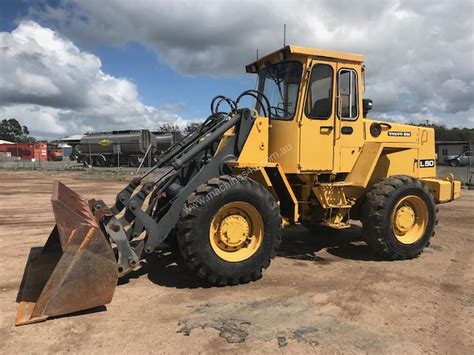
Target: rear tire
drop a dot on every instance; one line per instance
(100, 160)
(229, 230)
(399, 217)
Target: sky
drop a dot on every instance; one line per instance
(70, 66)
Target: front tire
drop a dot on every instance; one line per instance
(229, 230)
(454, 163)
(399, 218)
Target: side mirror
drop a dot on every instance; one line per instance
(366, 106)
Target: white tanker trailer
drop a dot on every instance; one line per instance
(121, 148)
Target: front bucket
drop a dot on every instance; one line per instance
(74, 271)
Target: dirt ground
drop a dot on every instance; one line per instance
(323, 294)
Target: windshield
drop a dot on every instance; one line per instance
(280, 83)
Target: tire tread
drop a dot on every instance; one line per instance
(187, 234)
(373, 222)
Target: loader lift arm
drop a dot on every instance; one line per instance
(158, 219)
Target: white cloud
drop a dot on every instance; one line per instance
(419, 54)
(55, 88)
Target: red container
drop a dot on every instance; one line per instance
(40, 151)
(37, 151)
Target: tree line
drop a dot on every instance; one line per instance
(11, 130)
(443, 133)
(174, 128)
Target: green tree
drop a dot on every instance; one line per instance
(171, 128)
(191, 126)
(11, 130)
(168, 128)
(442, 133)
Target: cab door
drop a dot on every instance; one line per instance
(317, 118)
(348, 127)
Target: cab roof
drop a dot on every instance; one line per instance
(284, 52)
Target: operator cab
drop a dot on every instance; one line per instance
(315, 103)
(280, 75)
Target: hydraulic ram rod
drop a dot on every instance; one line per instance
(206, 141)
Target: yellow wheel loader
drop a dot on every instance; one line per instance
(305, 153)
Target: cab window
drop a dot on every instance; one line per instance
(319, 99)
(280, 83)
(347, 91)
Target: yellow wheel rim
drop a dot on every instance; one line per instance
(410, 219)
(236, 231)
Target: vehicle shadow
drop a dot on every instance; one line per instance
(163, 268)
(303, 244)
